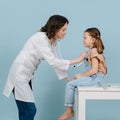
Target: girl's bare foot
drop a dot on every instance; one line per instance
(66, 115)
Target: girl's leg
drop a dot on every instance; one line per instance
(27, 110)
(71, 86)
(69, 95)
(69, 113)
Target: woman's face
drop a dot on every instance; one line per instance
(62, 32)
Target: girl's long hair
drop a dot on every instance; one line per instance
(95, 33)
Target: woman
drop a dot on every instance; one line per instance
(38, 47)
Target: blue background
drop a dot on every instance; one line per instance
(21, 19)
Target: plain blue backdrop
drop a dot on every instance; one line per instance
(20, 19)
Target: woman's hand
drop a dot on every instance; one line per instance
(78, 76)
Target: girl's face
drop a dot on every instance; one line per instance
(62, 32)
(88, 40)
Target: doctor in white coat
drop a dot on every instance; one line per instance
(38, 47)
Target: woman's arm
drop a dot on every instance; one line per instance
(79, 59)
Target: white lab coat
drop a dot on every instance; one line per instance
(22, 70)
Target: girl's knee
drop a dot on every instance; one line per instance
(70, 86)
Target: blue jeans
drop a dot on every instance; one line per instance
(97, 79)
(27, 110)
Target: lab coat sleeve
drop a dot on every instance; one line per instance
(57, 63)
(60, 65)
(61, 73)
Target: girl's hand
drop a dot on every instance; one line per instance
(78, 76)
(68, 78)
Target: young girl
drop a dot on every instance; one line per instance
(39, 47)
(96, 70)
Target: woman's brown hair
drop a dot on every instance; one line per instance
(53, 25)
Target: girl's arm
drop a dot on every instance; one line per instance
(92, 71)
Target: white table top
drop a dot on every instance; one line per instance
(108, 87)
